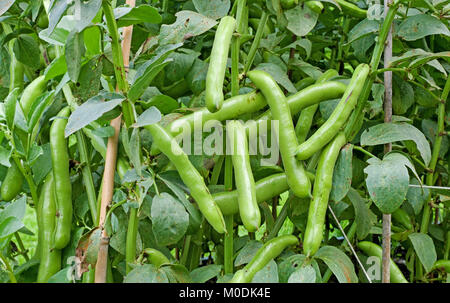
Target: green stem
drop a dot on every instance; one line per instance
(130, 253)
(235, 47)
(216, 171)
(279, 221)
(23, 251)
(435, 153)
(118, 62)
(186, 248)
(364, 151)
(350, 234)
(25, 170)
(228, 237)
(256, 42)
(8, 268)
(391, 69)
(355, 122)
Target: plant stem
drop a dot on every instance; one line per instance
(228, 237)
(23, 251)
(386, 237)
(256, 42)
(8, 268)
(118, 59)
(235, 47)
(435, 153)
(355, 122)
(356, 147)
(279, 221)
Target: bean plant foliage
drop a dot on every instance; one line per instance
(68, 54)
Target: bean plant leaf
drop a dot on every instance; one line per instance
(387, 182)
(56, 68)
(85, 12)
(278, 74)
(305, 274)
(205, 273)
(214, 9)
(392, 132)
(143, 13)
(421, 25)
(363, 29)
(169, 218)
(301, 20)
(5, 5)
(267, 274)
(91, 110)
(55, 14)
(425, 250)
(247, 253)
(74, 51)
(146, 273)
(342, 174)
(26, 50)
(362, 217)
(416, 196)
(338, 262)
(188, 24)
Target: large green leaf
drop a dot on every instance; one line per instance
(91, 110)
(213, 9)
(5, 5)
(305, 274)
(338, 262)
(169, 218)
(146, 273)
(421, 25)
(362, 217)
(143, 13)
(425, 250)
(268, 274)
(74, 51)
(387, 182)
(26, 50)
(188, 24)
(301, 20)
(342, 174)
(205, 273)
(278, 74)
(392, 132)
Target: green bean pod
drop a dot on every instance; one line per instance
(340, 115)
(218, 63)
(155, 257)
(308, 96)
(190, 176)
(403, 218)
(296, 174)
(266, 189)
(322, 188)
(12, 184)
(61, 173)
(372, 249)
(269, 251)
(442, 264)
(253, 102)
(315, 6)
(305, 119)
(31, 92)
(50, 258)
(16, 71)
(245, 183)
(352, 9)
